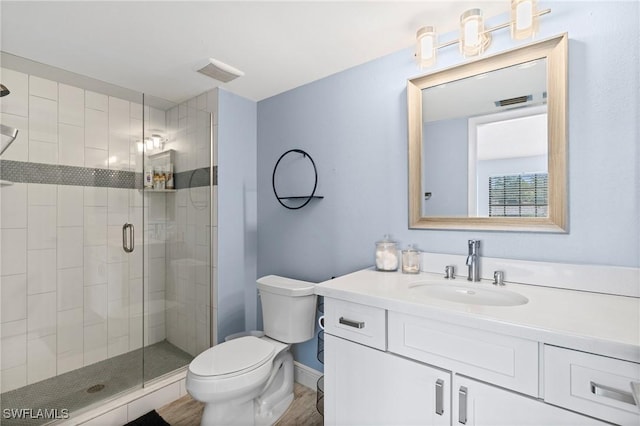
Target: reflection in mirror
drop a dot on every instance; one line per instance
(487, 142)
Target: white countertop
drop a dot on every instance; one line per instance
(591, 322)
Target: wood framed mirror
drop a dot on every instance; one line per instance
(488, 142)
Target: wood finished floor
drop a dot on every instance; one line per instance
(187, 412)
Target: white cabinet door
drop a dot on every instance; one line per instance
(364, 386)
(476, 403)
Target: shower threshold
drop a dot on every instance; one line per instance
(88, 385)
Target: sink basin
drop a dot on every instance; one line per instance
(473, 294)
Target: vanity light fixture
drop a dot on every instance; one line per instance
(474, 38)
(427, 46)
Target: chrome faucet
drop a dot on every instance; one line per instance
(472, 260)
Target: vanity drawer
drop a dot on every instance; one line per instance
(591, 384)
(355, 322)
(505, 361)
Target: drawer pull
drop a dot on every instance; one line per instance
(462, 405)
(351, 323)
(607, 392)
(439, 397)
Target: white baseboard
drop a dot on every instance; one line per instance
(306, 376)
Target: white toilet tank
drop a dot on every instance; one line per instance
(288, 308)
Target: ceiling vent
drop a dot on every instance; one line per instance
(220, 71)
(514, 101)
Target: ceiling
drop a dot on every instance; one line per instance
(155, 46)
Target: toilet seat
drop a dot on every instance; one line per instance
(233, 358)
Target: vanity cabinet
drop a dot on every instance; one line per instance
(476, 403)
(383, 367)
(366, 386)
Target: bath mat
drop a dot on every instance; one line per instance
(152, 418)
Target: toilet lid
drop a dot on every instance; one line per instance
(232, 356)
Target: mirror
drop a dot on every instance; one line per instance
(487, 142)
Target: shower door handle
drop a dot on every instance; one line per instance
(128, 244)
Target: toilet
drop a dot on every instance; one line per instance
(249, 380)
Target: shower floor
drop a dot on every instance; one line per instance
(87, 385)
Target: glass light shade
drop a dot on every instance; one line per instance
(427, 47)
(473, 40)
(524, 19)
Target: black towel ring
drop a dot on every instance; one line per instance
(315, 184)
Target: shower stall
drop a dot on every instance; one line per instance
(107, 225)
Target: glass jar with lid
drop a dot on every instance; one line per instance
(411, 260)
(387, 255)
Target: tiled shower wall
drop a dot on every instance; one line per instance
(191, 216)
(69, 295)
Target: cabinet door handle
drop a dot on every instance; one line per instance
(612, 393)
(439, 397)
(351, 323)
(462, 405)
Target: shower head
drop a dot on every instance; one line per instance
(3, 90)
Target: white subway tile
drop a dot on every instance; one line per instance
(136, 111)
(119, 152)
(43, 152)
(41, 271)
(13, 305)
(70, 330)
(118, 319)
(18, 84)
(71, 145)
(43, 88)
(70, 205)
(96, 158)
(70, 292)
(41, 315)
(118, 201)
(95, 226)
(41, 358)
(71, 105)
(115, 253)
(41, 227)
(135, 332)
(70, 247)
(19, 150)
(14, 378)
(117, 345)
(14, 344)
(42, 195)
(157, 274)
(95, 265)
(95, 100)
(69, 361)
(95, 304)
(13, 206)
(43, 119)
(96, 196)
(96, 129)
(157, 119)
(13, 251)
(118, 277)
(95, 343)
(118, 116)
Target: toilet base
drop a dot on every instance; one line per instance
(264, 408)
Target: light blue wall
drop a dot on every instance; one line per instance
(354, 125)
(237, 214)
